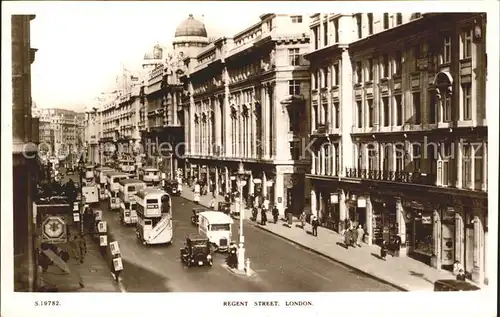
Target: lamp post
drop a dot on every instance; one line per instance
(81, 165)
(241, 248)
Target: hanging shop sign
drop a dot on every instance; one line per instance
(54, 230)
(76, 216)
(361, 202)
(233, 178)
(334, 198)
(257, 181)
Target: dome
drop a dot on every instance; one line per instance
(191, 27)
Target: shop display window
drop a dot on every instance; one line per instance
(423, 233)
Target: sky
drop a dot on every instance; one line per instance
(81, 48)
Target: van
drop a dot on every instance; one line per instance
(216, 226)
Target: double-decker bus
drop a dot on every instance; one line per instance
(154, 216)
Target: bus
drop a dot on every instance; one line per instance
(89, 172)
(127, 166)
(128, 213)
(128, 189)
(113, 187)
(150, 175)
(154, 216)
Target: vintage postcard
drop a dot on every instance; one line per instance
(249, 158)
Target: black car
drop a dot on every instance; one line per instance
(453, 286)
(171, 187)
(225, 207)
(194, 217)
(197, 251)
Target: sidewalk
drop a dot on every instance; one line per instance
(94, 273)
(403, 272)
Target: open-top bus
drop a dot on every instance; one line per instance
(154, 216)
(127, 165)
(150, 175)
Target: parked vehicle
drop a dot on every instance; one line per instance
(196, 251)
(216, 226)
(453, 286)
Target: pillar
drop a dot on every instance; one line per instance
(459, 237)
(228, 122)
(278, 192)
(477, 270)
(227, 179)
(436, 232)
(251, 185)
(472, 180)
(267, 123)
(174, 108)
(400, 219)
(313, 202)
(369, 220)
(264, 185)
(217, 189)
(484, 183)
(459, 158)
(342, 210)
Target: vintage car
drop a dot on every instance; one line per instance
(197, 251)
(196, 212)
(172, 187)
(225, 207)
(453, 286)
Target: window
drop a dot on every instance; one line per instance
(399, 110)
(358, 23)
(359, 73)
(370, 69)
(466, 95)
(294, 56)
(359, 117)
(467, 43)
(446, 58)
(316, 39)
(324, 76)
(294, 150)
(416, 157)
(315, 80)
(371, 113)
(399, 19)
(398, 63)
(446, 107)
(432, 109)
(294, 87)
(336, 108)
(296, 18)
(416, 108)
(325, 34)
(386, 21)
(385, 66)
(478, 166)
(370, 23)
(336, 26)
(336, 77)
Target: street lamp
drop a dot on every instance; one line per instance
(241, 249)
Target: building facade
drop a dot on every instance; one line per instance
(61, 131)
(399, 131)
(24, 155)
(244, 101)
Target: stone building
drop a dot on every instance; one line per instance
(244, 101)
(24, 155)
(398, 123)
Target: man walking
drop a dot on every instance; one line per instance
(315, 225)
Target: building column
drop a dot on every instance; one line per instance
(264, 185)
(459, 237)
(227, 179)
(393, 157)
(217, 181)
(228, 121)
(458, 171)
(472, 159)
(369, 220)
(436, 232)
(321, 32)
(322, 160)
(400, 219)
(484, 183)
(251, 185)
(267, 123)
(477, 270)
(273, 123)
(174, 108)
(254, 129)
(278, 192)
(314, 210)
(342, 210)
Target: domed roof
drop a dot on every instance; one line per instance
(191, 27)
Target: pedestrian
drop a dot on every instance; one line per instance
(315, 225)
(255, 212)
(457, 266)
(74, 244)
(303, 220)
(361, 234)
(461, 275)
(347, 238)
(383, 250)
(275, 213)
(263, 217)
(397, 245)
(212, 203)
(83, 245)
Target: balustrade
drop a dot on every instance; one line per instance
(392, 176)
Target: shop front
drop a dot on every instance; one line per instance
(419, 231)
(385, 224)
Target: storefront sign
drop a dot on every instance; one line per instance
(76, 217)
(361, 202)
(257, 181)
(426, 220)
(334, 198)
(269, 183)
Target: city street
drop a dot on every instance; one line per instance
(279, 265)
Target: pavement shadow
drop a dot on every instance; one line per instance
(136, 278)
(309, 232)
(342, 244)
(377, 256)
(421, 275)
